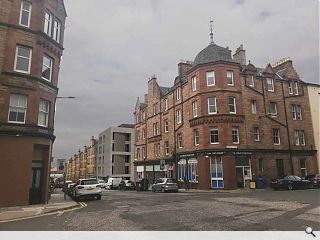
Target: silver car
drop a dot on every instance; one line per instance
(165, 185)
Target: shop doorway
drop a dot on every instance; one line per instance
(243, 172)
(36, 179)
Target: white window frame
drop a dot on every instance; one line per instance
(302, 140)
(299, 112)
(295, 88)
(253, 106)
(232, 79)
(235, 133)
(297, 137)
(178, 115)
(166, 148)
(29, 58)
(270, 85)
(303, 168)
(47, 28)
(216, 160)
(43, 112)
(194, 83)
(56, 30)
(256, 134)
(290, 88)
(215, 105)
(166, 104)
(166, 126)
(251, 80)
(179, 140)
(194, 109)
(275, 114)
(215, 130)
(178, 93)
(213, 78)
(196, 136)
(50, 67)
(233, 105)
(18, 107)
(276, 135)
(143, 133)
(24, 10)
(294, 112)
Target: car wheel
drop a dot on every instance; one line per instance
(290, 187)
(153, 190)
(99, 197)
(162, 190)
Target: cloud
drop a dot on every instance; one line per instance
(112, 48)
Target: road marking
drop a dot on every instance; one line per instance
(59, 213)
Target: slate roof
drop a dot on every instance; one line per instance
(143, 105)
(126, 125)
(164, 90)
(213, 53)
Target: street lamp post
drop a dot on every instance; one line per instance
(64, 170)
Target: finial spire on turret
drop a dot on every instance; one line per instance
(211, 32)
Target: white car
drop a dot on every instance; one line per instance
(113, 182)
(102, 183)
(89, 187)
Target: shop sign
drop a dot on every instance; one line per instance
(215, 153)
(237, 153)
(187, 155)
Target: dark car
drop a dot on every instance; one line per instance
(289, 182)
(314, 180)
(165, 185)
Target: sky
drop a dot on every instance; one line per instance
(112, 48)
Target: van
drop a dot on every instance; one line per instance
(113, 183)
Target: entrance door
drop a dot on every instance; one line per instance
(280, 168)
(35, 192)
(239, 175)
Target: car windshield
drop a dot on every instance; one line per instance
(170, 181)
(298, 178)
(160, 180)
(89, 182)
(101, 181)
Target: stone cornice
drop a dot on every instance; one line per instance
(217, 118)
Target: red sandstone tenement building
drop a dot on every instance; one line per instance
(31, 46)
(225, 121)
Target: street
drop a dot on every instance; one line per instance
(260, 210)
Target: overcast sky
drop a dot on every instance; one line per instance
(112, 47)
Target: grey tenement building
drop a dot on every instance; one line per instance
(116, 152)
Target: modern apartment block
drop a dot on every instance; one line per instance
(314, 99)
(31, 46)
(116, 152)
(224, 122)
(82, 164)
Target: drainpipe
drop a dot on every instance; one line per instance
(287, 127)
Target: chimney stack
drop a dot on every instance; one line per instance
(240, 56)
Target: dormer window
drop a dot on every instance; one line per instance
(270, 86)
(251, 80)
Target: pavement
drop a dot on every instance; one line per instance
(57, 203)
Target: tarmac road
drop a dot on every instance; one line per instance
(259, 210)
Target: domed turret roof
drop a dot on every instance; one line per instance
(213, 53)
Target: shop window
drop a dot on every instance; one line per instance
(216, 170)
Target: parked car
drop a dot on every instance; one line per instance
(289, 182)
(102, 183)
(165, 185)
(65, 185)
(314, 180)
(89, 187)
(127, 185)
(113, 183)
(70, 189)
